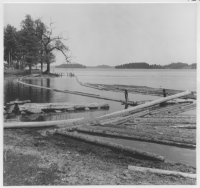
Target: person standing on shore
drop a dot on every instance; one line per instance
(126, 95)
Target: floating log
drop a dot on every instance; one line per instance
(171, 115)
(18, 102)
(121, 120)
(120, 147)
(50, 107)
(167, 108)
(160, 171)
(71, 92)
(184, 126)
(130, 137)
(185, 109)
(59, 123)
(136, 89)
(165, 120)
(158, 101)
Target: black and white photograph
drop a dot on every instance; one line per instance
(99, 93)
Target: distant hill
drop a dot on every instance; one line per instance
(100, 66)
(143, 65)
(74, 65)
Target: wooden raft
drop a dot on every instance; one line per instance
(59, 107)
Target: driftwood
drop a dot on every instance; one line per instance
(113, 145)
(59, 123)
(111, 133)
(160, 171)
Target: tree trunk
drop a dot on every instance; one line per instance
(41, 66)
(30, 67)
(9, 59)
(48, 67)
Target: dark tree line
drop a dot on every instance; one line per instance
(33, 44)
(143, 65)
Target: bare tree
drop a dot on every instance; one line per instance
(50, 43)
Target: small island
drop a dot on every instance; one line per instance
(143, 65)
(75, 65)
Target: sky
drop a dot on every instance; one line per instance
(117, 33)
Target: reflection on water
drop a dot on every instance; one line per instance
(14, 90)
(171, 153)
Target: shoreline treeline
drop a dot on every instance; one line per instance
(33, 44)
(143, 65)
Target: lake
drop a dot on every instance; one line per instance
(166, 78)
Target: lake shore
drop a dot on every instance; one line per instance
(20, 73)
(57, 160)
(31, 158)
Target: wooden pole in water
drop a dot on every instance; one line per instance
(14, 125)
(158, 101)
(160, 171)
